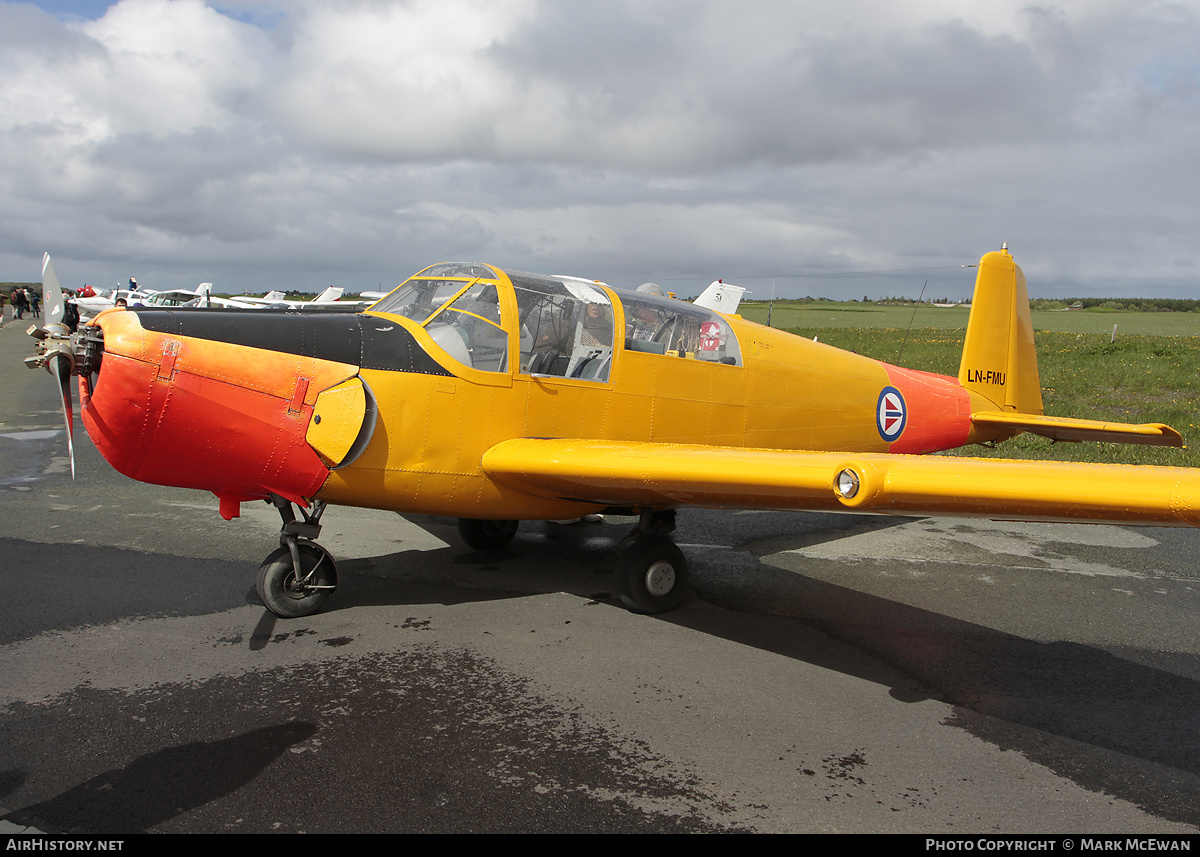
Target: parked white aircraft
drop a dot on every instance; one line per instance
(278, 300)
(201, 296)
(103, 299)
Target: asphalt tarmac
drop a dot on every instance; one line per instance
(827, 674)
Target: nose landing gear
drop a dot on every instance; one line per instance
(297, 578)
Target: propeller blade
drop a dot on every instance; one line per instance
(63, 370)
(53, 304)
(56, 348)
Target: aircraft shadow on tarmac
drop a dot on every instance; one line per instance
(1024, 695)
(160, 785)
(1107, 723)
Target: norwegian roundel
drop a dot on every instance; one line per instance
(891, 414)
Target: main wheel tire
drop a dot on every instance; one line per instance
(487, 535)
(277, 585)
(653, 576)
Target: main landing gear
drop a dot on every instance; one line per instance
(487, 535)
(296, 579)
(652, 572)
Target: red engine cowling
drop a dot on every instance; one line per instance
(199, 413)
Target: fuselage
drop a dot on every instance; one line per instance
(394, 408)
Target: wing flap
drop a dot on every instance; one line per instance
(1069, 429)
(671, 475)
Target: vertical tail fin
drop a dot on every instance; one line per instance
(999, 362)
(721, 297)
(328, 296)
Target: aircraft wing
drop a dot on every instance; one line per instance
(329, 304)
(669, 475)
(1069, 429)
(89, 308)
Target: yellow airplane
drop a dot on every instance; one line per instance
(496, 396)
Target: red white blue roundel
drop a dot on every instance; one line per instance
(891, 414)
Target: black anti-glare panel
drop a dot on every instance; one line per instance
(361, 340)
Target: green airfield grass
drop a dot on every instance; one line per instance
(1136, 379)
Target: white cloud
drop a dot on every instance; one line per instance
(172, 66)
(263, 143)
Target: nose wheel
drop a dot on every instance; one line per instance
(296, 579)
(289, 593)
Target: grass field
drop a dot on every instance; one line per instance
(830, 314)
(1137, 379)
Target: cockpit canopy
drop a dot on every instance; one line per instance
(562, 326)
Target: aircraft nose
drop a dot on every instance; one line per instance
(202, 413)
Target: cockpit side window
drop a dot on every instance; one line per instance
(566, 327)
(470, 329)
(665, 326)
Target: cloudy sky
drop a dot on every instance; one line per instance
(843, 148)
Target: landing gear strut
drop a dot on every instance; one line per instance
(487, 535)
(297, 578)
(652, 572)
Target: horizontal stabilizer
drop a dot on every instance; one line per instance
(1068, 429)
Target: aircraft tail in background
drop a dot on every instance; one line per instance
(720, 297)
(328, 296)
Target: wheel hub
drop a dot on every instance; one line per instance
(660, 578)
(293, 588)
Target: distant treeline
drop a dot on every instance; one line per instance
(1098, 304)
(1114, 304)
(8, 287)
(865, 300)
